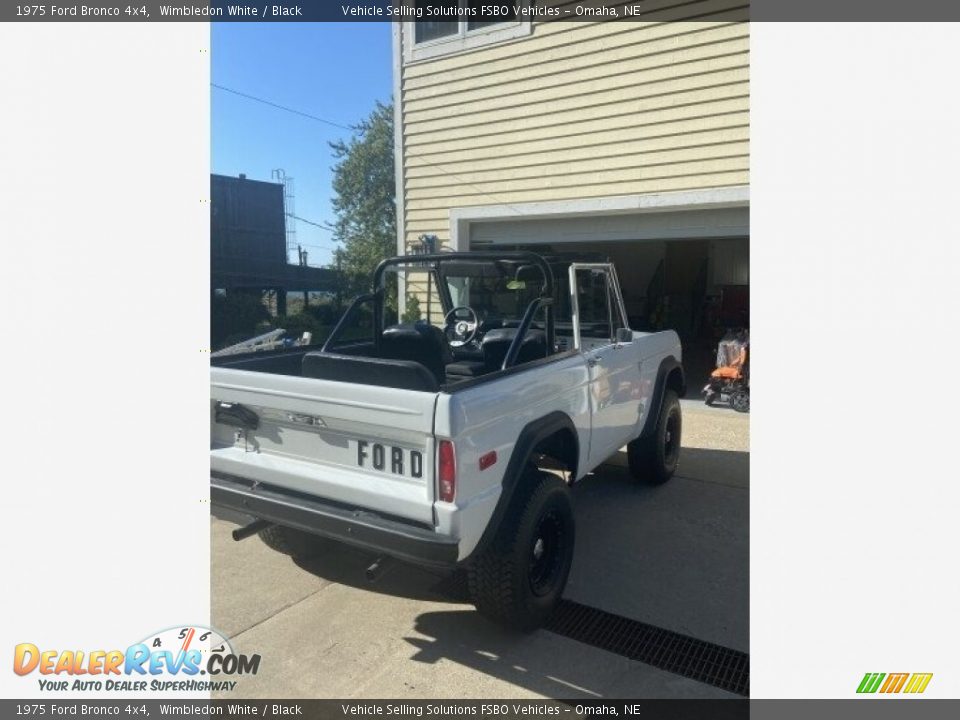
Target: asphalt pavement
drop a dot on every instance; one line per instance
(675, 557)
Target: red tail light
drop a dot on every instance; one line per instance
(447, 471)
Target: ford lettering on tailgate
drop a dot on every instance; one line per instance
(399, 460)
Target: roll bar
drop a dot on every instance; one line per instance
(435, 260)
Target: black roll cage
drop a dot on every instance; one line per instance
(432, 262)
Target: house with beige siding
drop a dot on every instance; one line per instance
(627, 140)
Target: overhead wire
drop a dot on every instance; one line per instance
(356, 128)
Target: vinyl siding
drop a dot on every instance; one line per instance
(575, 110)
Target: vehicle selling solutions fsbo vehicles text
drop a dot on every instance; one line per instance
(484, 11)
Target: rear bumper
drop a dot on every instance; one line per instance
(353, 526)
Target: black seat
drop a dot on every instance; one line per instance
(369, 371)
(463, 369)
(420, 343)
(496, 343)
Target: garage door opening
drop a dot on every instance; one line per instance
(699, 288)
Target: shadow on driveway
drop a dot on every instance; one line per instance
(675, 556)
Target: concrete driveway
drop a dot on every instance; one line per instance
(675, 557)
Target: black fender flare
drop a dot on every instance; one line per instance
(532, 435)
(668, 366)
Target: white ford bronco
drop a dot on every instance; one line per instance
(451, 444)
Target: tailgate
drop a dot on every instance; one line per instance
(362, 445)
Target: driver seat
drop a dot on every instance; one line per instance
(495, 345)
(420, 343)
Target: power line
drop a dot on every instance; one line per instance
(354, 128)
(284, 108)
(322, 226)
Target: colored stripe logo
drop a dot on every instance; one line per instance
(912, 683)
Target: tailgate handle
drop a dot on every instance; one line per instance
(237, 415)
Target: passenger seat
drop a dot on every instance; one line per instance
(496, 344)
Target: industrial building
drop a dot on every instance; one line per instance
(248, 243)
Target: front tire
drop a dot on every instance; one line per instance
(654, 459)
(519, 579)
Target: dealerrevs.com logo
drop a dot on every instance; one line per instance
(187, 658)
(892, 683)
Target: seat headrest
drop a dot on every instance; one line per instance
(410, 331)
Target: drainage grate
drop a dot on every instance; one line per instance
(666, 650)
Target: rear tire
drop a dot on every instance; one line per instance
(295, 543)
(518, 580)
(654, 459)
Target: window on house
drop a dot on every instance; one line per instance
(427, 30)
(471, 23)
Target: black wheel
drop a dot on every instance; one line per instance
(295, 543)
(518, 580)
(709, 397)
(740, 400)
(654, 459)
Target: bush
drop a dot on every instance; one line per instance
(236, 317)
(296, 325)
(326, 313)
(412, 313)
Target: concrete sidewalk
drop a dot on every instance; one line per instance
(674, 556)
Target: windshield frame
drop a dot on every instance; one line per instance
(434, 261)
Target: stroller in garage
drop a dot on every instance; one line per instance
(731, 379)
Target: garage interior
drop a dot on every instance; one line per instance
(689, 272)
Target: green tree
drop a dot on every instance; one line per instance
(365, 200)
(412, 313)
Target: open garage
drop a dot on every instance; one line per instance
(682, 258)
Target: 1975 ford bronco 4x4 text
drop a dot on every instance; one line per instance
(451, 445)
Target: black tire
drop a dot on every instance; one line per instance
(518, 580)
(295, 543)
(740, 400)
(709, 397)
(654, 459)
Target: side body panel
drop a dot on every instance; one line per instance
(623, 378)
(651, 349)
(488, 418)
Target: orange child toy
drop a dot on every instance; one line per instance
(731, 380)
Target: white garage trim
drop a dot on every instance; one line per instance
(676, 203)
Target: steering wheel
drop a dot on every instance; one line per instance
(461, 325)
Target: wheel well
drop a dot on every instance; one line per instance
(558, 451)
(676, 382)
(551, 439)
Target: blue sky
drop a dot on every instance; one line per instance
(336, 71)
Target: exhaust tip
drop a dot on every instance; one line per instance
(241, 533)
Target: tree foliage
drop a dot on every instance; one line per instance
(365, 198)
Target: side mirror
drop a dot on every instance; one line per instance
(624, 335)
